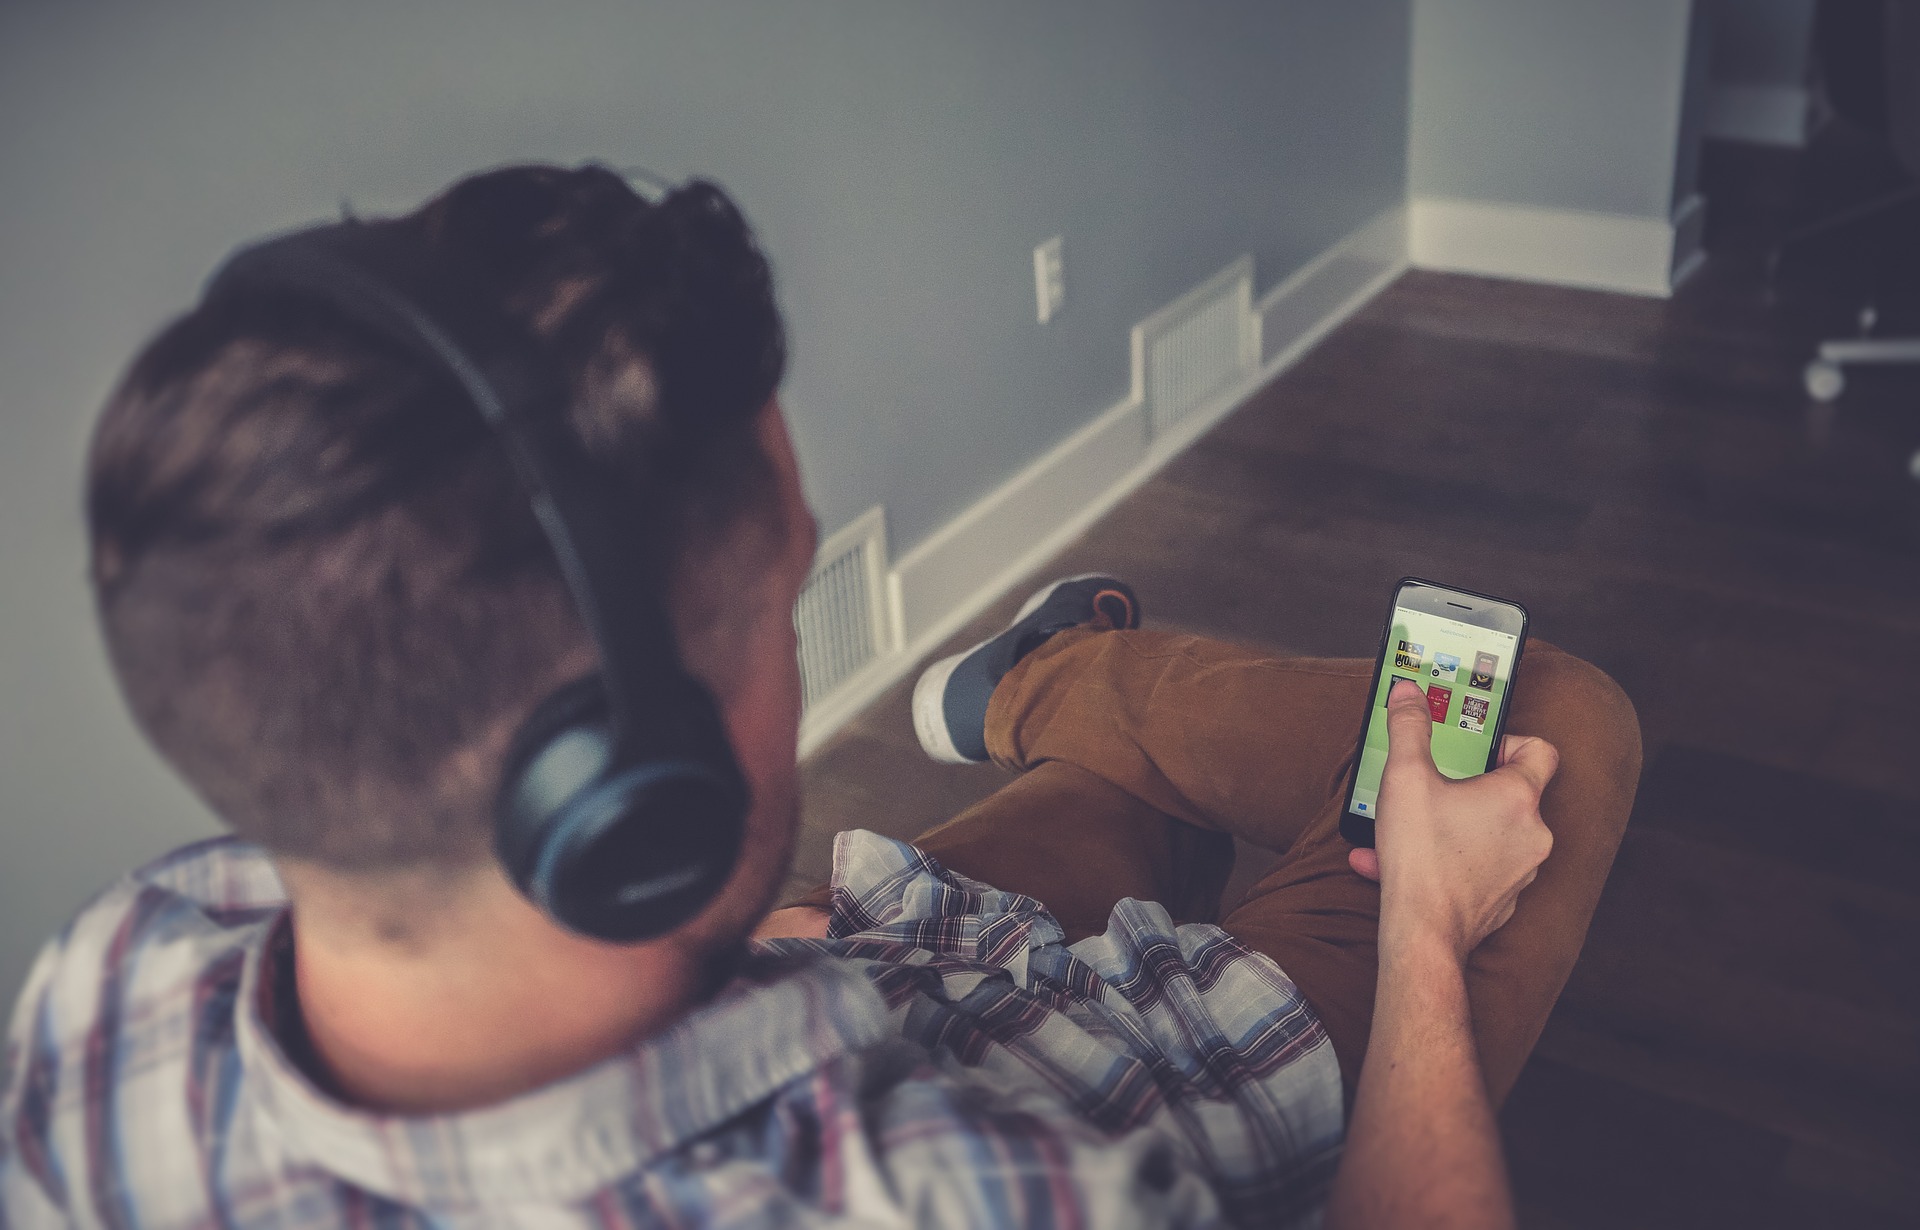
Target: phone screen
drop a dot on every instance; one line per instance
(1464, 669)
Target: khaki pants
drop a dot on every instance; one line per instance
(1145, 753)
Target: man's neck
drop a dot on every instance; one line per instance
(458, 993)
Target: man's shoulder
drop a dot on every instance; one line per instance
(158, 924)
(227, 879)
(152, 935)
(126, 987)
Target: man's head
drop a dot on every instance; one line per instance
(322, 587)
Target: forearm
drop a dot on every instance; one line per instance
(1422, 1148)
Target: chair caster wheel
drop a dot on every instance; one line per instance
(1824, 380)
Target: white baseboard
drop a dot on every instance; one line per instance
(1325, 291)
(1567, 247)
(1762, 114)
(973, 560)
(1689, 235)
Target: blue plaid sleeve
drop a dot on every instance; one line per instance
(1150, 1062)
(32, 1186)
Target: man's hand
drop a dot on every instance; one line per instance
(1422, 1148)
(1452, 856)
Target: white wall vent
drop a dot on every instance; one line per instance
(845, 615)
(1195, 348)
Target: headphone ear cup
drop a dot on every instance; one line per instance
(582, 702)
(564, 745)
(611, 846)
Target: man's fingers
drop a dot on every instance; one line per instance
(1365, 862)
(1529, 757)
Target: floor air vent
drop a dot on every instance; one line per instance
(1196, 347)
(844, 615)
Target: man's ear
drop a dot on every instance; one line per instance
(777, 439)
(734, 595)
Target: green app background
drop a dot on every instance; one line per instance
(1457, 753)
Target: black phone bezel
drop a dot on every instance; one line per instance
(1357, 829)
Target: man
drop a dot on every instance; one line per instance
(330, 608)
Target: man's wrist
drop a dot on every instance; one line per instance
(1421, 992)
(1415, 946)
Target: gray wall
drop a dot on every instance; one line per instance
(901, 160)
(1562, 104)
(1695, 101)
(1762, 42)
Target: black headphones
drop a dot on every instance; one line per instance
(621, 805)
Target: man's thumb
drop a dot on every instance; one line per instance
(1409, 722)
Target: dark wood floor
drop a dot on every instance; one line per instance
(1740, 1044)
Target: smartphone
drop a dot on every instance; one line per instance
(1463, 650)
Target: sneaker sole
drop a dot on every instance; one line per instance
(930, 711)
(930, 693)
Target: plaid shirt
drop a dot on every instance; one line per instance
(942, 1058)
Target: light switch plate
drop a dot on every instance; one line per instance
(1049, 278)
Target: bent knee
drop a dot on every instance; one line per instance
(1578, 707)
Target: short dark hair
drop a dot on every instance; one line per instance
(317, 575)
